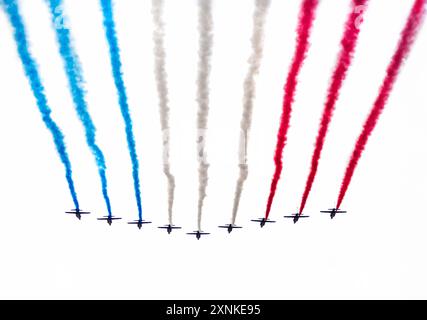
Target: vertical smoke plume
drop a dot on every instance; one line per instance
(261, 8)
(204, 66)
(116, 67)
(345, 57)
(75, 80)
(32, 73)
(306, 18)
(162, 89)
(407, 38)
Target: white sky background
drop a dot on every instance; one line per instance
(374, 251)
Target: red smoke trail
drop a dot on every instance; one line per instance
(306, 18)
(406, 40)
(348, 45)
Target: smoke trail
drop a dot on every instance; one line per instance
(205, 51)
(162, 89)
(348, 45)
(75, 81)
(261, 8)
(32, 73)
(405, 43)
(116, 66)
(306, 18)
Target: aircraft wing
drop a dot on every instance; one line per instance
(76, 212)
(137, 222)
(196, 233)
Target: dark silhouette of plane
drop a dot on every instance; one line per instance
(230, 227)
(109, 219)
(296, 216)
(169, 228)
(198, 234)
(77, 212)
(139, 223)
(333, 212)
(263, 221)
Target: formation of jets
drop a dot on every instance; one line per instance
(198, 233)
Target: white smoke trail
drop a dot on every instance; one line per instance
(205, 51)
(162, 89)
(261, 8)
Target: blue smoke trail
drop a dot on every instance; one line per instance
(75, 81)
(116, 65)
(31, 71)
